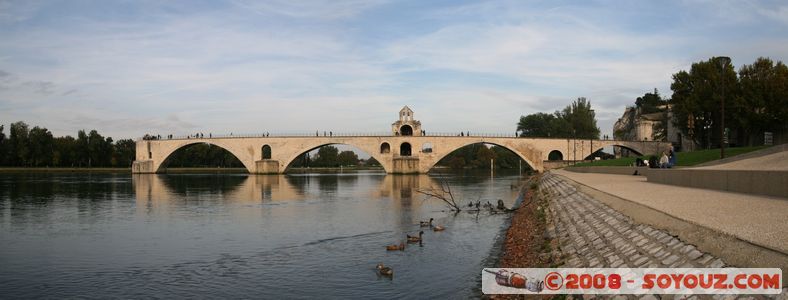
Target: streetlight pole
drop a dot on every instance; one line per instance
(593, 117)
(723, 61)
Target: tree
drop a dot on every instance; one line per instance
(506, 159)
(19, 153)
(64, 154)
(574, 121)
(696, 99)
(483, 157)
(543, 125)
(81, 149)
(651, 103)
(372, 162)
(3, 146)
(326, 157)
(764, 91)
(41, 144)
(99, 149)
(347, 158)
(198, 155)
(124, 153)
(456, 163)
(581, 119)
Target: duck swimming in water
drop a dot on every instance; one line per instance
(383, 270)
(415, 239)
(426, 223)
(400, 247)
(438, 228)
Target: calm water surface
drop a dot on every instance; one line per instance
(253, 236)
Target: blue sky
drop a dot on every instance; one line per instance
(131, 67)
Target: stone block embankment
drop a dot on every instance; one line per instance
(591, 234)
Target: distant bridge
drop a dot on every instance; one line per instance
(405, 149)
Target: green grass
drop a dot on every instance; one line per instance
(684, 159)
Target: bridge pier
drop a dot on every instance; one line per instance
(267, 166)
(406, 165)
(142, 167)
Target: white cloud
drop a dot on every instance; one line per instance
(337, 9)
(325, 65)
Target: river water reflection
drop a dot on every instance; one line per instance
(251, 236)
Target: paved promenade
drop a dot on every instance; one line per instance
(757, 219)
(771, 162)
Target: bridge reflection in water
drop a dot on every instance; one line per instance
(396, 195)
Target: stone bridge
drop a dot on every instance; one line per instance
(407, 149)
(396, 153)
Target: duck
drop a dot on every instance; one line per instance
(438, 228)
(426, 223)
(383, 270)
(400, 247)
(477, 204)
(415, 239)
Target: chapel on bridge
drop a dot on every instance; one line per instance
(406, 125)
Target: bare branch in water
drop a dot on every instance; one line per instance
(444, 194)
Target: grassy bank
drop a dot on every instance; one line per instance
(682, 158)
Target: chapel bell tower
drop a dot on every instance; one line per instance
(406, 125)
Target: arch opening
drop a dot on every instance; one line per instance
(333, 158)
(405, 149)
(406, 130)
(385, 148)
(479, 155)
(266, 152)
(202, 155)
(555, 155)
(612, 152)
(624, 151)
(601, 154)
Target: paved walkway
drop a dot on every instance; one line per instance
(591, 234)
(770, 162)
(760, 220)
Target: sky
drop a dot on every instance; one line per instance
(127, 68)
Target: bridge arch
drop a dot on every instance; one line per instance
(374, 154)
(555, 155)
(169, 151)
(636, 150)
(502, 145)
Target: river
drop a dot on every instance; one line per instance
(242, 236)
